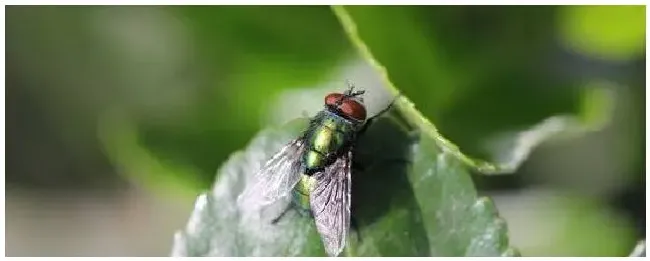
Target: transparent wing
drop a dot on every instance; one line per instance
(330, 204)
(277, 177)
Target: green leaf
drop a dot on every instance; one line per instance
(410, 199)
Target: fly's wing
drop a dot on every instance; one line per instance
(277, 177)
(330, 204)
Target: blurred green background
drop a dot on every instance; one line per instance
(117, 117)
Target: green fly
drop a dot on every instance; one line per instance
(315, 169)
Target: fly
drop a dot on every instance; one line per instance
(315, 168)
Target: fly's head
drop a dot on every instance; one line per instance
(348, 104)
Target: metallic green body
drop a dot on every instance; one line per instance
(327, 137)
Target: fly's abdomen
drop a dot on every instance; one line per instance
(314, 160)
(301, 193)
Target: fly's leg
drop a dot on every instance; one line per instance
(370, 120)
(284, 212)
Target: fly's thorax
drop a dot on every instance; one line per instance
(328, 135)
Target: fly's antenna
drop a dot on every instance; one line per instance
(350, 89)
(358, 93)
(350, 92)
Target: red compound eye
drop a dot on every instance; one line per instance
(353, 109)
(332, 98)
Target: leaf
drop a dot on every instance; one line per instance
(410, 199)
